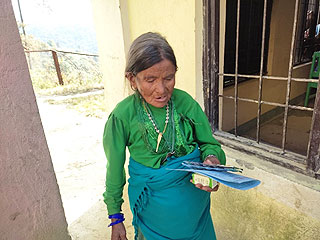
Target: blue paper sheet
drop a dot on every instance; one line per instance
(227, 178)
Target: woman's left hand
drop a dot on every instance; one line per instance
(210, 160)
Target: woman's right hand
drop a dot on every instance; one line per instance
(118, 232)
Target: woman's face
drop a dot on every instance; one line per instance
(155, 83)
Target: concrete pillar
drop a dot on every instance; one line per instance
(30, 202)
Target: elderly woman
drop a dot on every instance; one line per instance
(162, 127)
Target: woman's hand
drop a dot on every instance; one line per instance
(210, 160)
(118, 231)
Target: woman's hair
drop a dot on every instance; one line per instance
(147, 50)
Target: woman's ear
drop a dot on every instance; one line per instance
(132, 80)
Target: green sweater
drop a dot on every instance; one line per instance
(122, 130)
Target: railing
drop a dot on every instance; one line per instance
(56, 60)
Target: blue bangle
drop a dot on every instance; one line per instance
(116, 222)
(119, 216)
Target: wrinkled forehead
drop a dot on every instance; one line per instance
(164, 68)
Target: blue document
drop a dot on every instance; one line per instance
(222, 174)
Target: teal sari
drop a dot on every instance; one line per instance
(165, 205)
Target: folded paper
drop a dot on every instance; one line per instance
(223, 174)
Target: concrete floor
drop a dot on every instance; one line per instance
(298, 130)
(75, 144)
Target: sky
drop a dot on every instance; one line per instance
(55, 12)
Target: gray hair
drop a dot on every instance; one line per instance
(147, 50)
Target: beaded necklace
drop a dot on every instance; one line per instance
(160, 134)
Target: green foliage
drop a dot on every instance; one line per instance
(79, 73)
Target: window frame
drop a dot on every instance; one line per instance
(311, 163)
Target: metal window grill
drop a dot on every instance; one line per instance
(211, 78)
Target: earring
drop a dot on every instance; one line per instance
(133, 88)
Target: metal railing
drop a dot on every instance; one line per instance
(56, 60)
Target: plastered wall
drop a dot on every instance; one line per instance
(30, 203)
(284, 206)
(119, 22)
(111, 39)
(173, 19)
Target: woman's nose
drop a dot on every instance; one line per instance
(161, 88)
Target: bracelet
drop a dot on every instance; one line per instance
(119, 216)
(116, 222)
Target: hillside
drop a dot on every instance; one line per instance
(70, 38)
(79, 73)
